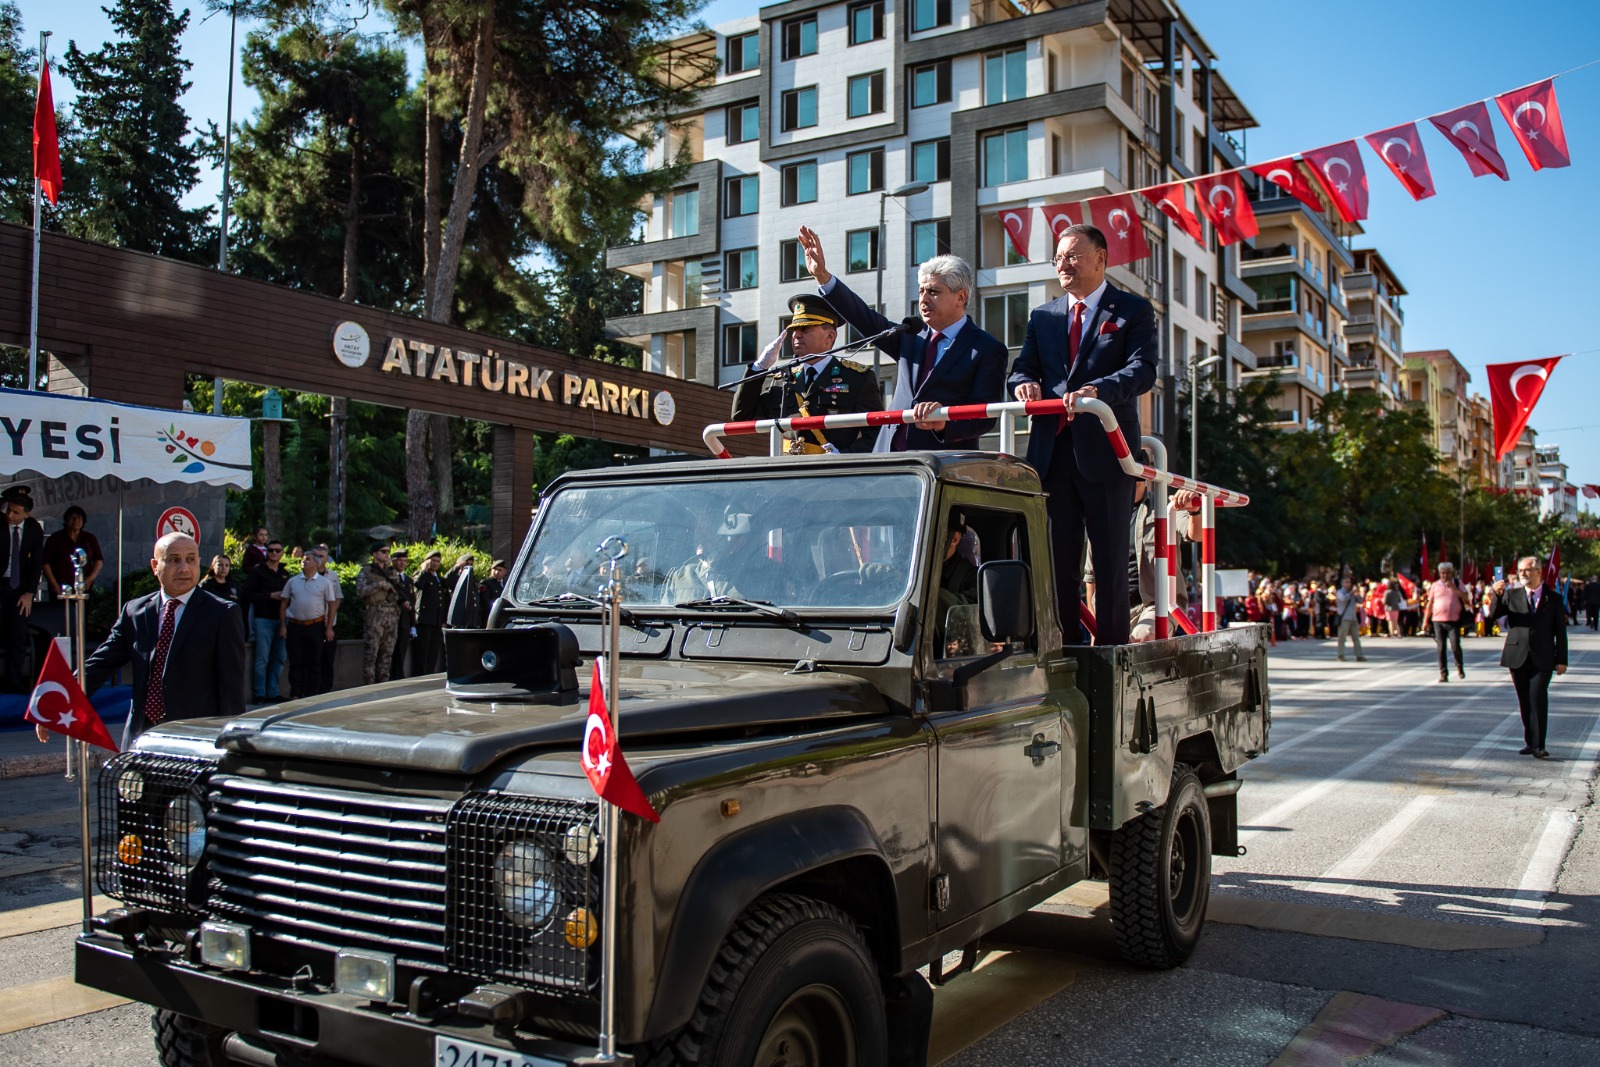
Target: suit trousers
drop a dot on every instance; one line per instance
(1533, 701)
(1074, 501)
(1448, 632)
(14, 636)
(305, 643)
(426, 649)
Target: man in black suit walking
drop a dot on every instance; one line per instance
(21, 561)
(1095, 341)
(1536, 646)
(950, 361)
(185, 645)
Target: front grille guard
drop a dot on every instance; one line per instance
(149, 851)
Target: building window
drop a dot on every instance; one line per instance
(740, 344)
(1005, 156)
(864, 171)
(865, 95)
(677, 355)
(743, 196)
(1180, 280)
(928, 14)
(800, 108)
(744, 123)
(800, 183)
(683, 212)
(800, 37)
(930, 84)
(930, 161)
(1005, 76)
(744, 52)
(741, 271)
(1178, 135)
(866, 22)
(929, 239)
(861, 250)
(791, 261)
(1180, 348)
(1006, 316)
(1200, 294)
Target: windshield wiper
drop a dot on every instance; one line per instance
(570, 599)
(765, 607)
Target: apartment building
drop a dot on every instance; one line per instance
(1481, 467)
(1296, 329)
(1372, 291)
(898, 130)
(1436, 380)
(1558, 496)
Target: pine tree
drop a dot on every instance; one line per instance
(18, 79)
(132, 136)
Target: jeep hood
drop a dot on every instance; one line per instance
(417, 725)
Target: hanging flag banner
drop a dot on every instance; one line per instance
(1400, 148)
(1222, 198)
(1535, 120)
(46, 146)
(1289, 174)
(1058, 217)
(1591, 491)
(1172, 200)
(1469, 129)
(1118, 218)
(1018, 223)
(1514, 388)
(1344, 178)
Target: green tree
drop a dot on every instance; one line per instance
(18, 82)
(1240, 449)
(132, 137)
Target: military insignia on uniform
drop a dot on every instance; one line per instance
(852, 364)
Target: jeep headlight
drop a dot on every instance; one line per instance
(130, 786)
(524, 881)
(186, 830)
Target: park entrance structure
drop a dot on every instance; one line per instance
(128, 327)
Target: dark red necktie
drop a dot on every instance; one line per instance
(1074, 342)
(155, 697)
(930, 353)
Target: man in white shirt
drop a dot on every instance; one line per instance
(331, 646)
(306, 616)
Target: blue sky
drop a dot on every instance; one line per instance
(1496, 271)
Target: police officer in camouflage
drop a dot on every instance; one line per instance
(816, 384)
(379, 588)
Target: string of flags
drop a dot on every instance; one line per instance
(1334, 173)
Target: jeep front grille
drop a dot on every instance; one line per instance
(521, 869)
(149, 849)
(331, 868)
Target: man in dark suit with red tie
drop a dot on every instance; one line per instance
(1535, 648)
(1096, 341)
(185, 645)
(949, 361)
(21, 562)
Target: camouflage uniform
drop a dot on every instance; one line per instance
(377, 588)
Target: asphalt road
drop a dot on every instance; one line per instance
(1414, 893)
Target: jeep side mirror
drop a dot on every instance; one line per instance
(1005, 600)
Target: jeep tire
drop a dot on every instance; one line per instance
(793, 985)
(1161, 877)
(185, 1042)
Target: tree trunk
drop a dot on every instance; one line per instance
(439, 439)
(419, 487)
(441, 294)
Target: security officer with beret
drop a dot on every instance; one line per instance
(21, 562)
(817, 384)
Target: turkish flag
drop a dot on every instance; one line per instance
(58, 704)
(1469, 129)
(1407, 585)
(1344, 178)
(1058, 217)
(1018, 222)
(1222, 198)
(46, 147)
(1442, 552)
(1400, 148)
(1118, 218)
(1289, 175)
(1591, 491)
(1512, 399)
(1535, 119)
(1469, 572)
(1552, 567)
(602, 757)
(1173, 201)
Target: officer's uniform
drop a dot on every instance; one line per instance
(832, 386)
(378, 588)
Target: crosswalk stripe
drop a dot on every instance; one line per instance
(51, 1001)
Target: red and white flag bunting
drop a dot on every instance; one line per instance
(1514, 388)
(1469, 129)
(1400, 148)
(1118, 218)
(1018, 223)
(1535, 121)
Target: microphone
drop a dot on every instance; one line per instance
(911, 324)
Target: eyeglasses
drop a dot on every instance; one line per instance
(1071, 257)
(274, 551)
(1527, 570)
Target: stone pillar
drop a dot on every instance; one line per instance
(272, 474)
(512, 490)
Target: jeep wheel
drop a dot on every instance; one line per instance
(1161, 877)
(185, 1042)
(792, 986)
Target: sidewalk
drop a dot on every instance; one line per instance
(22, 756)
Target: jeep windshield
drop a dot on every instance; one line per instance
(736, 544)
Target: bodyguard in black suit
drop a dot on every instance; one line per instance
(21, 562)
(190, 668)
(1536, 647)
(950, 361)
(1095, 341)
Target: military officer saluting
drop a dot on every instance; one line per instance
(817, 384)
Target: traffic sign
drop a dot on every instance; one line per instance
(178, 520)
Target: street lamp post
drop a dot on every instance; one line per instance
(909, 189)
(1195, 366)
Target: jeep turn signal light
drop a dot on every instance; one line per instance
(130, 850)
(730, 807)
(580, 928)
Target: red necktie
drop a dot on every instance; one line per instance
(1074, 341)
(155, 697)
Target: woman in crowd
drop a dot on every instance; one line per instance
(1267, 608)
(59, 547)
(1394, 602)
(218, 583)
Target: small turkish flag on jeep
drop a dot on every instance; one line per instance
(58, 703)
(602, 758)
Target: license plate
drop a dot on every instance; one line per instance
(450, 1052)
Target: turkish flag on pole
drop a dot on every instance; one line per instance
(1442, 551)
(1118, 218)
(1018, 223)
(1511, 398)
(1407, 585)
(1344, 178)
(46, 147)
(1289, 175)
(1552, 567)
(602, 757)
(1535, 119)
(1469, 129)
(1173, 201)
(59, 704)
(1425, 570)
(1058, 217)
(1400, 148)
(1222, 198)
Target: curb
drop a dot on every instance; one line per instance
(46, 762)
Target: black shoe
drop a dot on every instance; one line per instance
(1541, 754)
(1525, 750)
(1460, 673)
(1444, 676)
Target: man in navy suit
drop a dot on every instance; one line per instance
(1536, 646)
(186, 646)
(950, 361)
(21, 562)
(1095, 341)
